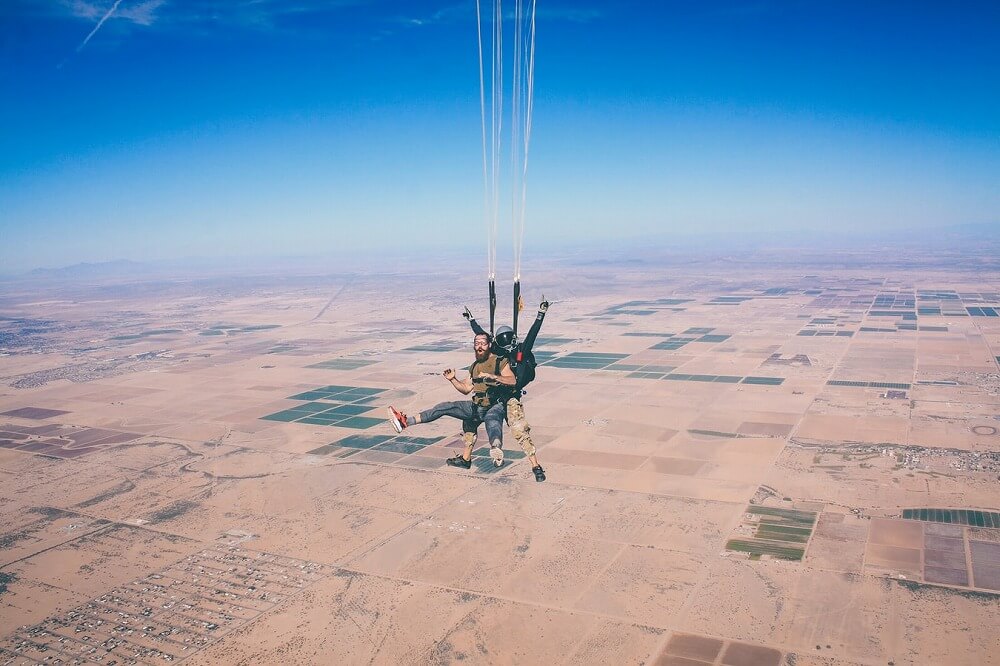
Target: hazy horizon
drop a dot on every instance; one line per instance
(153, 131)
(976, 244)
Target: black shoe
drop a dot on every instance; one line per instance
(539, 473)
(459, 461)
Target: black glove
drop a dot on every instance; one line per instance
(468, 315)
(543, 307)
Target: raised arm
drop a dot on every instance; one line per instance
(529, 339)
(476, 328)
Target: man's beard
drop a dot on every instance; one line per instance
(482, 355)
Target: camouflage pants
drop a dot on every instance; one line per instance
(519, 426)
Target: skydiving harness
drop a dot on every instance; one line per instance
(485, 395)
(522, 363)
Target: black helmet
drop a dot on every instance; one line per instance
(505, 340)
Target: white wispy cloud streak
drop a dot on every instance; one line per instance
(181, 15)
(142, 13)
(98, 26)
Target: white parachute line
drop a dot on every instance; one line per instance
(515, 138)
(497, 128)
(523, 106)
(486, 179)
(529, 105)
(522, 112)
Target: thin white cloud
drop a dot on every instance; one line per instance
(180, 14)
(83, 9)
(98, 26)
(143, 13)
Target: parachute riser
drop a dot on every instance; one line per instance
(517, 303)
(493, 306)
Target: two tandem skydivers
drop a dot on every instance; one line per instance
(497, 380)
(522, 362)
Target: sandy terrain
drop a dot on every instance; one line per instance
(767, 467)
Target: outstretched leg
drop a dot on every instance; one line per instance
(462, 410)
(521, 430)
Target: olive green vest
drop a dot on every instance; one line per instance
(483, 395)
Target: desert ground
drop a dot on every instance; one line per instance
(748, 465)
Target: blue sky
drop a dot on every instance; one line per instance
(218, 128)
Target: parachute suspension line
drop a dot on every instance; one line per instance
(521, 113)
(489, 185)
(515, 104)
(522, 105)
(491, 152)
(486, 177)
(515, 127)
(496, 95)
(529, 112)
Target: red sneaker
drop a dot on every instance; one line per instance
(397, 419)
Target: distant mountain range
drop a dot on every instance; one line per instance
(632, 250)
(91, 270)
